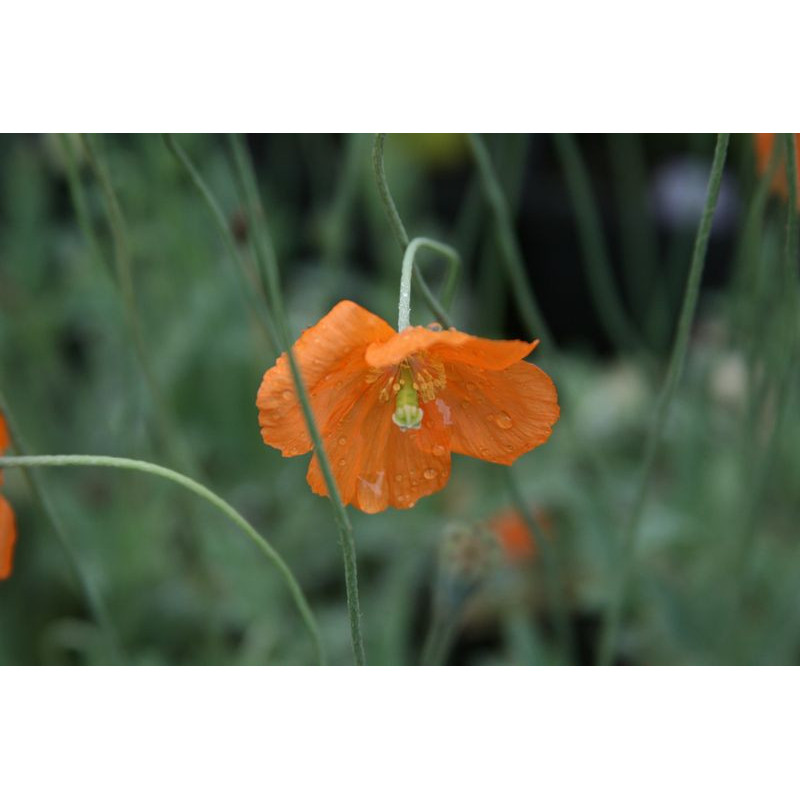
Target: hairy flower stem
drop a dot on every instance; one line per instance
(94, 599)
(613, 613)
(193, 486)
(454, 265)
(507, 242)
(399, 230)
(268, 264)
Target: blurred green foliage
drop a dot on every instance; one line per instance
(718, 561)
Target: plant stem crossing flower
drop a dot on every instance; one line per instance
(392, 406)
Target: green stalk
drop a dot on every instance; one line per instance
(193, 486)
(785, 343)
(507, 242)
(407, 271)
(399, 230)
(246, 292)
(440, 637)
(122, 258)
(94, 599)
(336, 224)
(268, 264)
(614, 609)
(639, 245)
(611, 314)
(554, 583)
(78, 197)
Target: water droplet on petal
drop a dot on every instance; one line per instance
(439, 450)
(398, 478)
(414, 482)
(502, 420)
(342, 462)
(286, 395)
(430, 474)
(342, 440)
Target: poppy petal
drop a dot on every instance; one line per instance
(498, 416)
(331, 359)
(377, 464)
(451, 345)
(8, 538)
(5, 439)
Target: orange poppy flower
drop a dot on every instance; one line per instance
(8, 526)
(514, 535)
(765, 142)
(391, 406)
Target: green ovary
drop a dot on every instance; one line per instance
(407, 413)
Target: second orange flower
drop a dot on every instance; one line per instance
(391, 407)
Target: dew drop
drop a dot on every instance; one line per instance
(342, 440)
(398, 478)
(502, 420)
(415, 482)
(490, 418)
(342, 462)
(430, 474)
(286, 394)
(438, 450)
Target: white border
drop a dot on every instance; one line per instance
(433, 65)
(398, 733)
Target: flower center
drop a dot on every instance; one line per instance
(407, 413)
(419, 377)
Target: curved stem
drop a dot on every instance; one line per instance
(94, 599)
(200, 490)
(454, 265)
(399, 230)
(507, 242)
(613, 612)
(268, 263)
